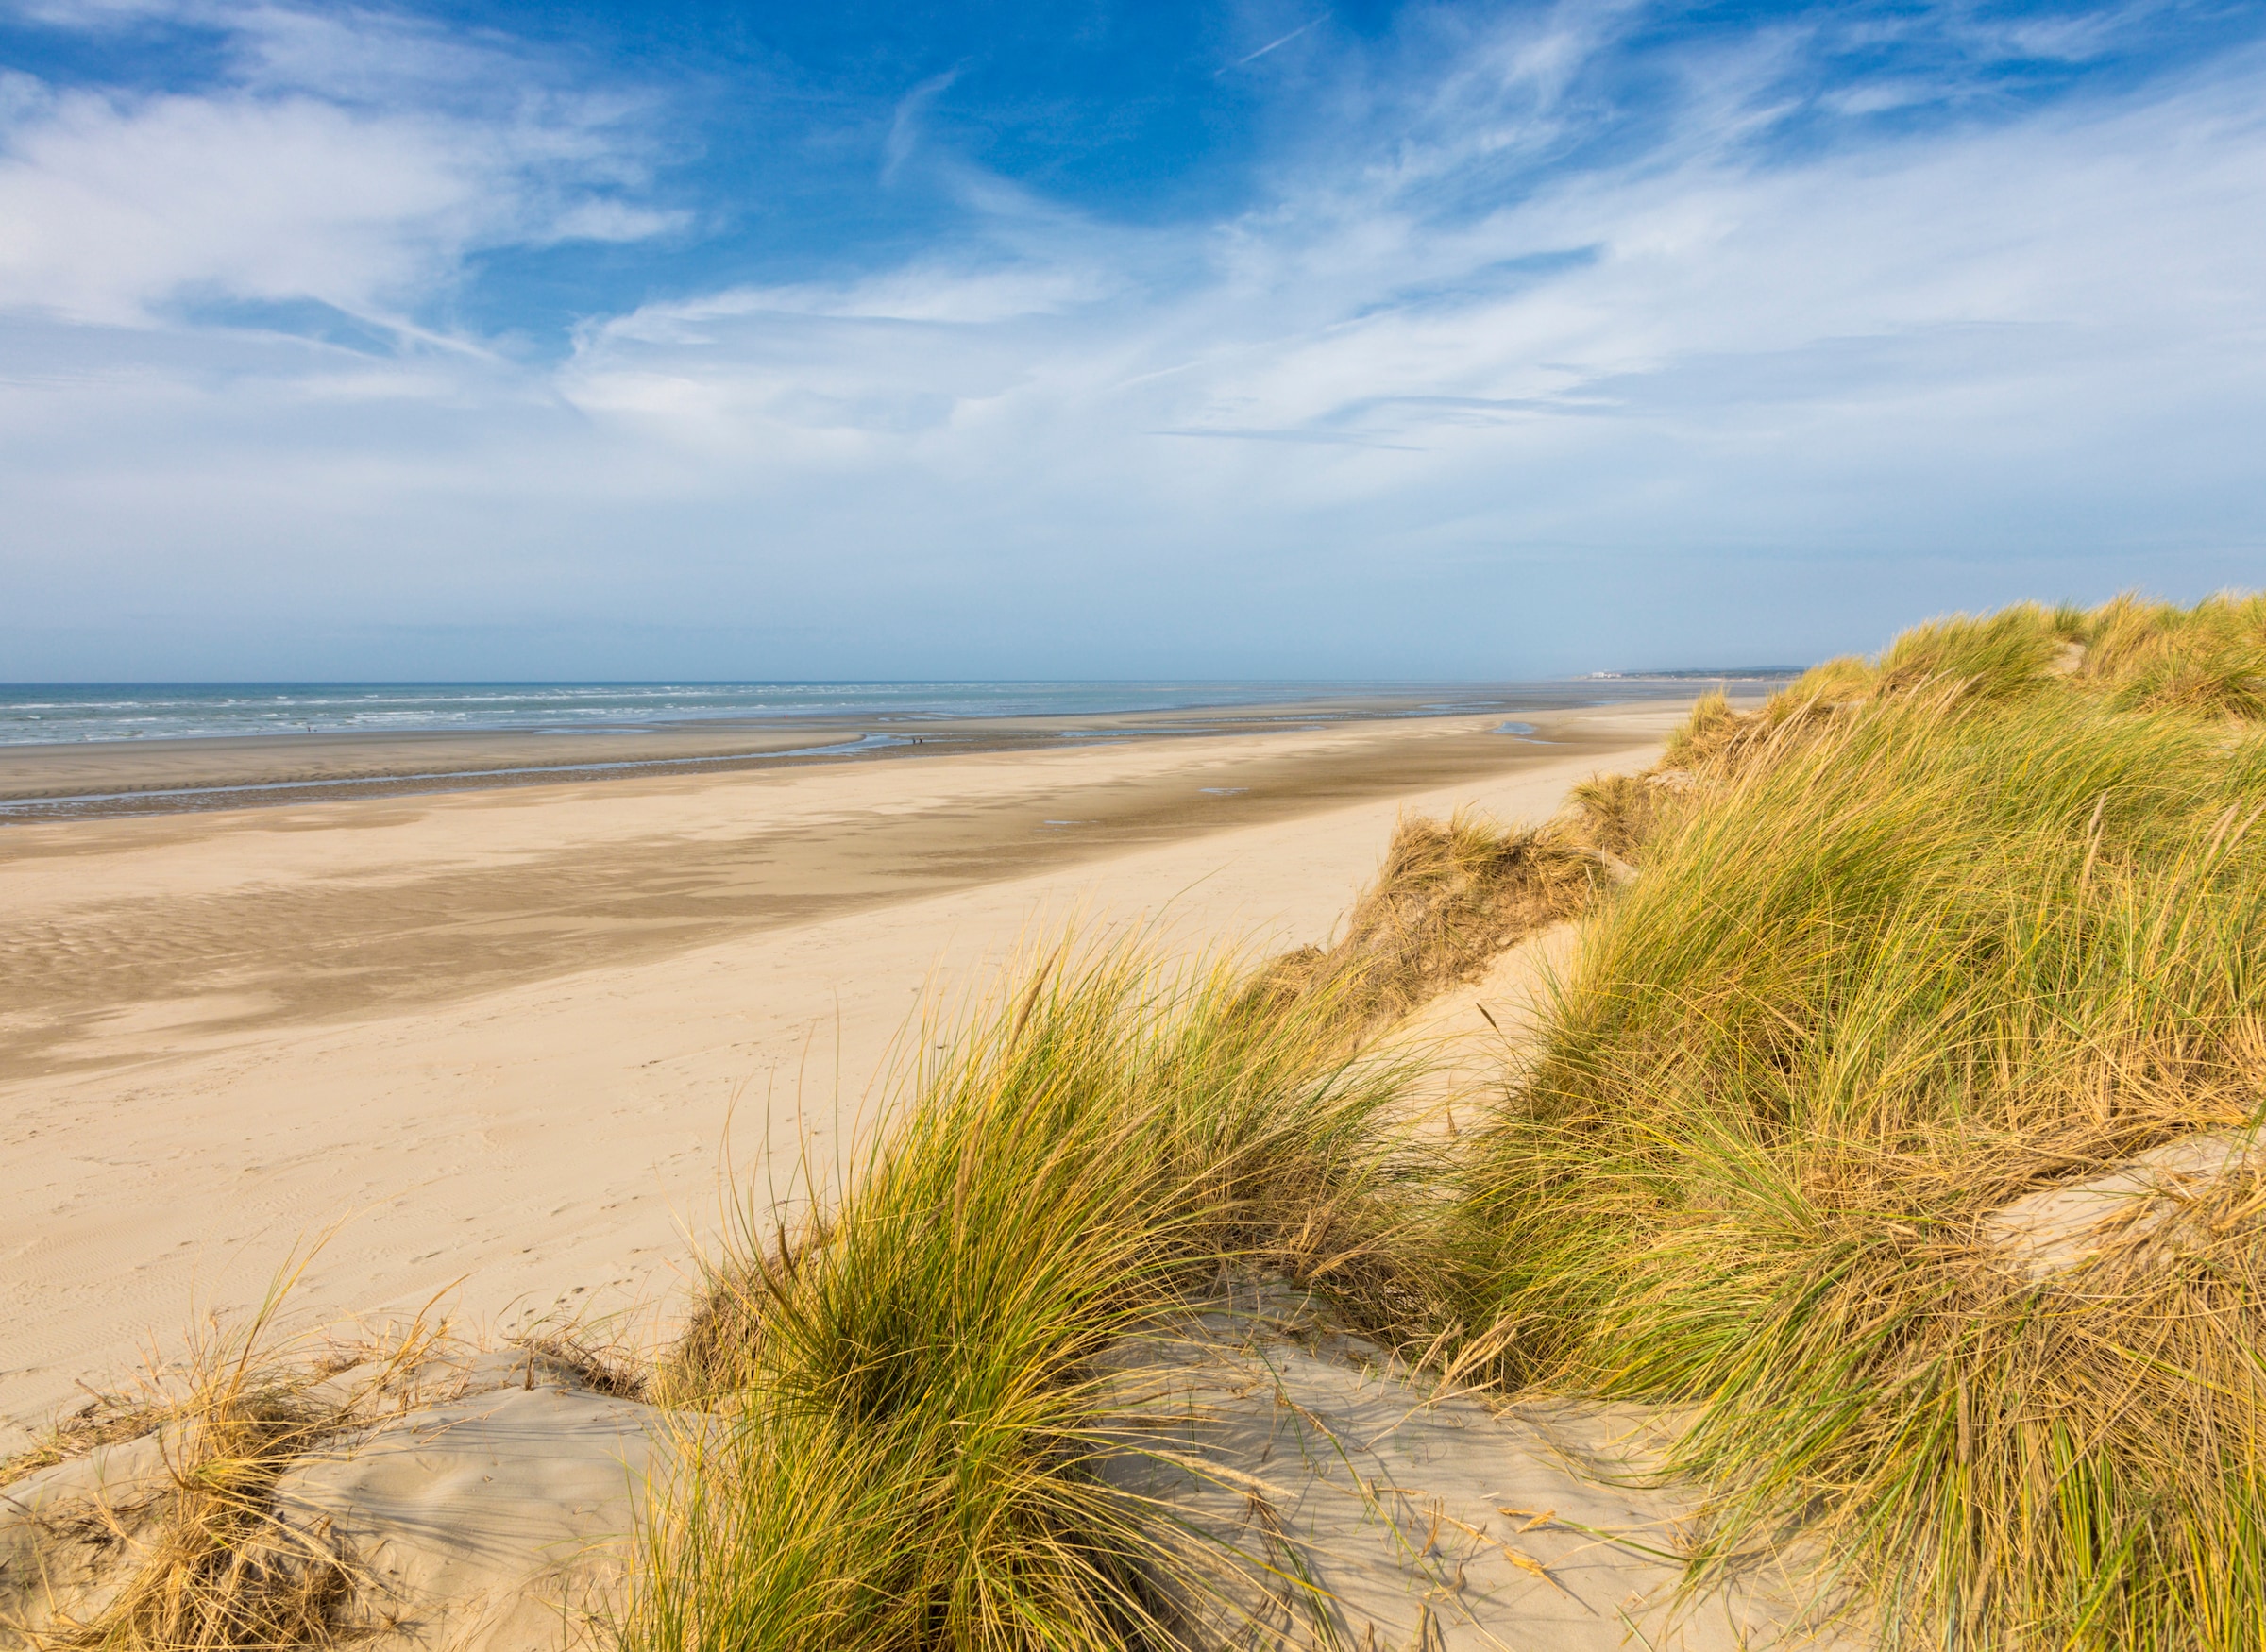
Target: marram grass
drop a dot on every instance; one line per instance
(902, 1395)
(1922, 936)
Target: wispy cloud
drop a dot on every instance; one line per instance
(906, 121)
(1542, 344)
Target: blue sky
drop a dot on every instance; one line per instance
(1092, 339)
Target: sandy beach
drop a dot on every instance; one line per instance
(496, 1044)
(1431, 828)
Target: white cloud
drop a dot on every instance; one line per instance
(1698, 401)
(110, 211)
(354, 160)
(1349, 309)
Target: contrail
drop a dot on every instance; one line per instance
(1263, 51)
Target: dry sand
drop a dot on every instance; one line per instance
(487, 1503)
(1383, 1511)
(495, 1039)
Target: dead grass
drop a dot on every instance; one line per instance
(207, 1562)
(598, 1359)
(216, 1570)
(105, 1419)
(1448, 900)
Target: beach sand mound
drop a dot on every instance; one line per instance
(1330, 1497)
(482, 1502)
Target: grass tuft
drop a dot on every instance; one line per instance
(198, 1558)
(906, 1399)
(211, 1565)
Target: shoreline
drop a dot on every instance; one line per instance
(197, 773)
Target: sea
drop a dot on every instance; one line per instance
(52, 714)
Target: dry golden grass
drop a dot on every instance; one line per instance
(598, 1359)
(217, 1570)
(105, 1419)
(209, 1564)
(1614, 814)
(1449, 899)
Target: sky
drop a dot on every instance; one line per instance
(1149, 339)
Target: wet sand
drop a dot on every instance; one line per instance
(499, 1035)
(131, 776)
